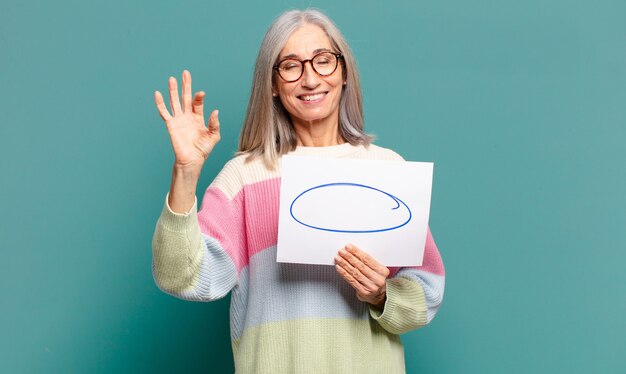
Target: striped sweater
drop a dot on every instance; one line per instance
(287, 318)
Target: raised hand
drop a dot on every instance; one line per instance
(191, 139)
(367, 276)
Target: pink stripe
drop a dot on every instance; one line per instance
(242, 237)
(262, 204)
(432, 259)
(222, 219)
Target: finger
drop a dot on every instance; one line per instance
(158, 99)
(368, 260)
(198, 103)
(357, 264)
(373, 281)
(367, 293)
(174, 101)
(186, 91)
(356, 274)
(214, 122)
(350, 279)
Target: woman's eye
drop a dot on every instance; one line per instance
(290, 66)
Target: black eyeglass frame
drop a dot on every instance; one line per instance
(338, 56)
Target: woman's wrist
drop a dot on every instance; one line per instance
(182, 195)
(187, 171)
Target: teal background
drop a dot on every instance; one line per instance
(521, 105)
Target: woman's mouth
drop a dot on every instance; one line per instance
(312, 97)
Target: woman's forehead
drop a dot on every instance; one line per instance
(305, 42)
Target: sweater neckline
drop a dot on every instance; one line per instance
(339, 150)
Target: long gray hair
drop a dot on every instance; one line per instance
(267, 130)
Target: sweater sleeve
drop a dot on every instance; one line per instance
(196, 256)
(414, 294)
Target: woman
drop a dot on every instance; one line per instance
(285, 318)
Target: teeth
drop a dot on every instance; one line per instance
(311, 97)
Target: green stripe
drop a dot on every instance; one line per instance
(405, 308)
(319, 346)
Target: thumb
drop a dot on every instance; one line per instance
(214, 123)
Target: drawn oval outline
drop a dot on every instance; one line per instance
(397, 200)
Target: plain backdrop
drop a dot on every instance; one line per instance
(520, 105)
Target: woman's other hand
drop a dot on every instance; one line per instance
(192, 140)
(366, 275)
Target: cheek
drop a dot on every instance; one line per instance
(290, 103)
(284, 90)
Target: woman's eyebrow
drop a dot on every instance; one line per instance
(293, 55)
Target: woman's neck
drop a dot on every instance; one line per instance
(317, 134)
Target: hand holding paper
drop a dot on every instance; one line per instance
(366, 275)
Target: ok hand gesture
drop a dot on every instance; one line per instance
(192, 140)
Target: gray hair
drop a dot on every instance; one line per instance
(267, 130)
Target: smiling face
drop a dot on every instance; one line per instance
(312, 99)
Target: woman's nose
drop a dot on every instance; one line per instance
(310, 79)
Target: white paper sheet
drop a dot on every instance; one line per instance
(381, 207)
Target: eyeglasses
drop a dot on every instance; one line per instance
(323, 64)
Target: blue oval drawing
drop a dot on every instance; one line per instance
(361, 188)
